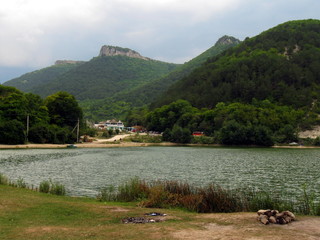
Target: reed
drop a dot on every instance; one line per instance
(3, 180)
(52, 188)
(44, 187)
(211, 198)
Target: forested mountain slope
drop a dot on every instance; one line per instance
(117, 69)
(149, 92)
(281, 64)
(120, 103)
(27, 82)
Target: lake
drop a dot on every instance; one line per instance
(84, 171)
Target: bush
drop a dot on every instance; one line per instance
(44, 187)
(3, 180)
(316, 141)
(144, 139)
(202, 140)
(166, 135)
(40, 134)
(12, 132)
(21, 183)
(180, 135)
(52, 188)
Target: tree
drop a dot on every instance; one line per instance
(180, 135)
(63, 109)
(12, 132)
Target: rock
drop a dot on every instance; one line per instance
(272, 219)
(291, 215)
(263, 219)
(281, 220)
(116, 51)
(287, 219)
(262, 212)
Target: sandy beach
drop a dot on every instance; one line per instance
(116, 141)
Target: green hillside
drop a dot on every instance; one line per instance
(27, 82)
(123, 101)
(104, 76)
(281, 65)
(149, 92)
(118, 70)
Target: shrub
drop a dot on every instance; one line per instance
(44, 187)
(12, 132)
(180, 135)
(52, 188)
(203, 140)
(217, 199)
(21, 183)
(3, 180)
(58, 189)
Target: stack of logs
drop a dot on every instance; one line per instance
(273, 216)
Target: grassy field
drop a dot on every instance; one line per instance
(25, 214)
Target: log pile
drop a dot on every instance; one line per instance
(274, 217)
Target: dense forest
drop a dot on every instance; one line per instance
(258, 123)
(262, 91)
(29, 81)
(120, 103)
(109, 86)
(281, 64)
(27, 117)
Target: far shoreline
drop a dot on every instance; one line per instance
(134, 144)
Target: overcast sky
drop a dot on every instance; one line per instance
(35, 33)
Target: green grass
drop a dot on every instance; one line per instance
(25, 214)
(144, 138)
(31, 215)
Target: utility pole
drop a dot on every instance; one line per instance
(78, 130)
(27, 127)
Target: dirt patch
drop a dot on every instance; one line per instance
(47, 229)
(116, 209)
(239, 226)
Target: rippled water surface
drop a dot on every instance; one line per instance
(85, 171)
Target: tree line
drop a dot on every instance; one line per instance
(28, 117)
(259, 123)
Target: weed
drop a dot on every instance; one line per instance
(44, 187)
(3, 180)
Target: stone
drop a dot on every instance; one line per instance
(291, 215)
(272, 219)
(263, 219)
(118, 51)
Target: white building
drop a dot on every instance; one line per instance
(110, 124)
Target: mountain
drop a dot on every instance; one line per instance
(116, 69)
(149, 92)
(27, 82)
(281, 64)
(120, 103)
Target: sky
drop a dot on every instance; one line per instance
(36, 33)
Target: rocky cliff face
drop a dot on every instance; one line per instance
(227, 40)
(115, 51)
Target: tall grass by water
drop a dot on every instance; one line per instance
(209, 199)
(175, 194)
(44, 187)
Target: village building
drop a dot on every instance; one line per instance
(111, 124)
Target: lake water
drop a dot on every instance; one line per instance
(85, 171)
